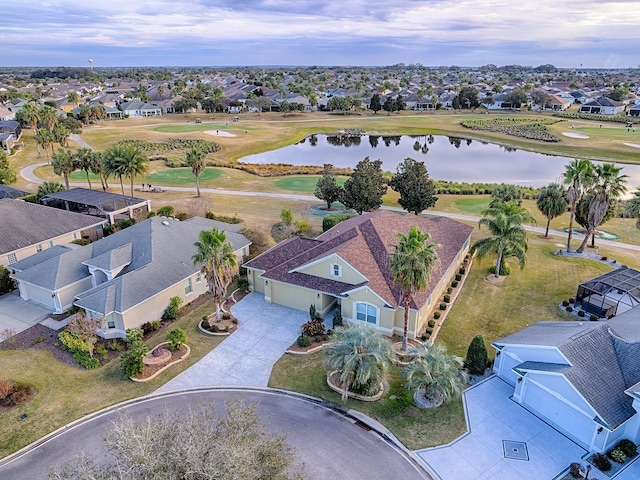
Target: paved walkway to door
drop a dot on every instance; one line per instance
(493, 419)
(245, 358)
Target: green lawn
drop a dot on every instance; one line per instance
(302, 183)
(181, 176)
(65, 393)
(414, 427)
(200, 127)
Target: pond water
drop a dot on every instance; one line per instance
(446, 158)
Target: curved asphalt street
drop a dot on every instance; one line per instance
(330, 444)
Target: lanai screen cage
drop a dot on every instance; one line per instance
(610, 294)
(97, 203)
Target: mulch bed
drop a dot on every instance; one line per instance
(221, 325)
(30, 339)
(297, 348)
(149, 370)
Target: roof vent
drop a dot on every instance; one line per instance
(164, 222)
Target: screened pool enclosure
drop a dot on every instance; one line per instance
(610, 294)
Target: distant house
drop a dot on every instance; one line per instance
(446, 99)
(113, 207)
(29, 228)
(499, 102)
(583, 378)
(603, 106)
(140, 109)
(559, 104)
(416, 102)
(347, 268)
(125, 279)
(634, 111)
(6, 114)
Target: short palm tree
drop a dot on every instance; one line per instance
(49, 117)
(63, 164)
(508, 238)
(434, 375)
(219, 263)
(609, 184)
(361, 356)
(44, 139)
(412, 261)
(46, 188)
(552, 203)
(197, 163)
(112, 161)
(633, 207)
(578, 175)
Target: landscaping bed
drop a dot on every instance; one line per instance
(226, 326)
(531, 128)
(150, 371)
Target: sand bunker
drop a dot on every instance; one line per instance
(219, 133)
(634, 145)
(575, 135)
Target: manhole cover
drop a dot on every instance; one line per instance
(515, 450)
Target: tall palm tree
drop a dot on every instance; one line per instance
(508, 238)
(85, 159)
(30, 113)
(412, 261)
(609, 184)
(552, 203)
(44, 138)
(219, 263)
(134, 163)
(578, 175)
(197, 163)
(63, 164)
(361, 356)
(112, 161)
(73, 97)
(98, 167)
(61, 135)
(49, 117)
(633, 207)
(434, 375)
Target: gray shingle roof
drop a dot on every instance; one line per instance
(40, 257)
(603, 360)
(160, 257)
(113, 259)
(9, 192)
(23, 224)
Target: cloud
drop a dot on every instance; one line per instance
(323, 32)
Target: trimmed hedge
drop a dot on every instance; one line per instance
(331, 221)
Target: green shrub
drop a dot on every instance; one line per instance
(429, 330)
(286, 216)
(593, 318)
(458, 277)
(114, 345)
(223, 218)
(83, 358)
(313, 328)
(82, 241)
(617, 455)
(131, 360)
(424, 337)
(443, 306)
(477, 359)
(436, 315)
(449, 289)
(337, 319)
(569, 309)
(331, 221)
(133, 335)
(601, 462)
(462, 270)
(176, 337)
(166, 211)
(304, 341)
(171, 312)
(102, 351)
(447, 298)
(581, 313)
(242, 284)
(532, 128)
(431, 323)
(572, 300)
(504, 270)
(72, 343)
(629, 448)
(455, 283)
(565, 303)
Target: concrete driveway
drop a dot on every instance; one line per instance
(494, 420)
(245, 358)
(18, 315)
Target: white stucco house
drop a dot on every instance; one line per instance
(603, 106)
(581, 377)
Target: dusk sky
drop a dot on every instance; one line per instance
(566, 33)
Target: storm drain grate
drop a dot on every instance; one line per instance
(515, 450)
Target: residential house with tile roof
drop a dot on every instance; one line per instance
(347, 267)
(583, 378)
(126, 279)
(29, 228)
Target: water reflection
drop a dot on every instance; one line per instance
(447, 158)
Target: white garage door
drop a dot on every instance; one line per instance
(566, 419)
(40, 296)
(507, 362)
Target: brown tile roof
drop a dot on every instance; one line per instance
(365, 242)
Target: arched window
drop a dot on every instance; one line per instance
(365, 312)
